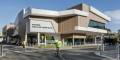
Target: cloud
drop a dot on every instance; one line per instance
(114, 14)
(115, 19)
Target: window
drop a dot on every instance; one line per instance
(96, 24)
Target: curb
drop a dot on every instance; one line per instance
(104, 56)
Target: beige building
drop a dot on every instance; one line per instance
(1, 36)
(72, 26)
(8, 31)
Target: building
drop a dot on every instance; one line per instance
(8, 31)
(72, 26)
(1, 36)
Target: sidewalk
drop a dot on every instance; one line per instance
(110, 52)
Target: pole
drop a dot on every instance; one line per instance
(95, 40)
(84, 41)
(63, 41)
(97, 43)
(45, 40)
(118, 41)
(118, 55)
(25, 41)
(73, 40)
(102, 45)
(1, 49)
(38, 37)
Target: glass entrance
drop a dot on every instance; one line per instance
(77, 41)
(32, 40)
(68, 42)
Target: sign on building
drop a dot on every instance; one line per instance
(41, 26)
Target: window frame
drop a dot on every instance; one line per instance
(96, 24)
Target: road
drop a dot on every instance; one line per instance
(18, 53)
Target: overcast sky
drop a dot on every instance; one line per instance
(10, 8)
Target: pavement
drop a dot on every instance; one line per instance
(17, 53)
(109, 51)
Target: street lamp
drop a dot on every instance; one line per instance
(102, 44)
(118, 35)
(1, 39)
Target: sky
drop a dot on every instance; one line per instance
(10, 8)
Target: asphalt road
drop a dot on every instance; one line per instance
(17, 53)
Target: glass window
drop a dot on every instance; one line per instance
(96, 24)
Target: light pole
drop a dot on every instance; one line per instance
(25, 41)
(102, 44)
(97, 42)
(1, 46)
(1, 49)
(118, 55)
